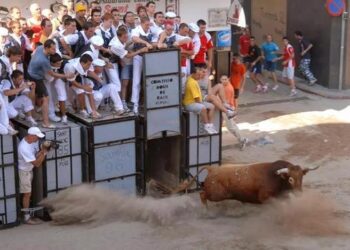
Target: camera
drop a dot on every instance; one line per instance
(49, 144)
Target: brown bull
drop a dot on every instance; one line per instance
(250, 183)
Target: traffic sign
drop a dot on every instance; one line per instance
(335, 7)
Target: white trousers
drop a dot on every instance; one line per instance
(52, 97)
(107, 91)
(113, 76)
(136, 80)
(21, 103)
(4, 118)
(232, 128)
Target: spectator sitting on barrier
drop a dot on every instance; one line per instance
(193, 101)
(29, 156)
(142, 37)
(13, 55)
(81, 68)
(105, 90)
(214, 94)
(168, 38)
(118, 47)
(230, 123)
(19, 96)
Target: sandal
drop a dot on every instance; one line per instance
(48, 126)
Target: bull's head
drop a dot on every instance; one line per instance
(294, 175)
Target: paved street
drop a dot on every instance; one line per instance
(308, 130)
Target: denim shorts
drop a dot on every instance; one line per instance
(270, 66)
(198, 107)
(256, 69)
(126, 73)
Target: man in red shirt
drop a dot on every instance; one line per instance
(187, 50)
(205, 55)
(244, 44)
(288, 63)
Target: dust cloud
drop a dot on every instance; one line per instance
(87, 203)
(307, 213)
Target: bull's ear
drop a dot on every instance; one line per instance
(305, 171)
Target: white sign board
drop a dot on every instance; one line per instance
(162, 91)
(236, 15)
(129, 5)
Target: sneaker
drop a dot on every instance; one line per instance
(230, 114)
(21, 115)
(312, 82)
(125, 107)
(54, 118)
(243, 143)
(31, 221)
(258, 88)
(95, 115)
(136, 110)
(265, 89)
(119, 112)
(50, 126)
(293, 93)
(275, 87)
(31, 120)
(83, 113)
(228, 107)
(213, 129)
(11, 130)
(64, 120)
(208, 129)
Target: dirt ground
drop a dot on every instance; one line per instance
(310, 132)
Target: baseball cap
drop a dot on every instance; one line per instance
(4, 31)
(80, 7)
(99, 63)
(97, 40)
(194, 27)
(36, 131)
(170, 14)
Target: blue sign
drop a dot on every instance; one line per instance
(223, 38)
(336, 7)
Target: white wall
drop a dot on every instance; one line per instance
(192, 10)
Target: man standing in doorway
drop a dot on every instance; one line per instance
(305, 58)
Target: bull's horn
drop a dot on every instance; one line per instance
(282, 171)
(312, 169)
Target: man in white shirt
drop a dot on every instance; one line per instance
(29, 156)
(118, 48)
(158, 27)
(142, 37)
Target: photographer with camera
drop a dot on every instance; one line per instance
(30, 155)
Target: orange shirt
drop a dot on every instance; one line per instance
(237, 74)
(229, 93)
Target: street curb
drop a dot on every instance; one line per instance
(311, 90)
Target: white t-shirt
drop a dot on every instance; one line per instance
(197, 44)
(27, 154)
(156, 31)
(138, 31)
(118, 48)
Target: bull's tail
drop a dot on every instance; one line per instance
(182, 187)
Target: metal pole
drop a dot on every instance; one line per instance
(342, 50)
